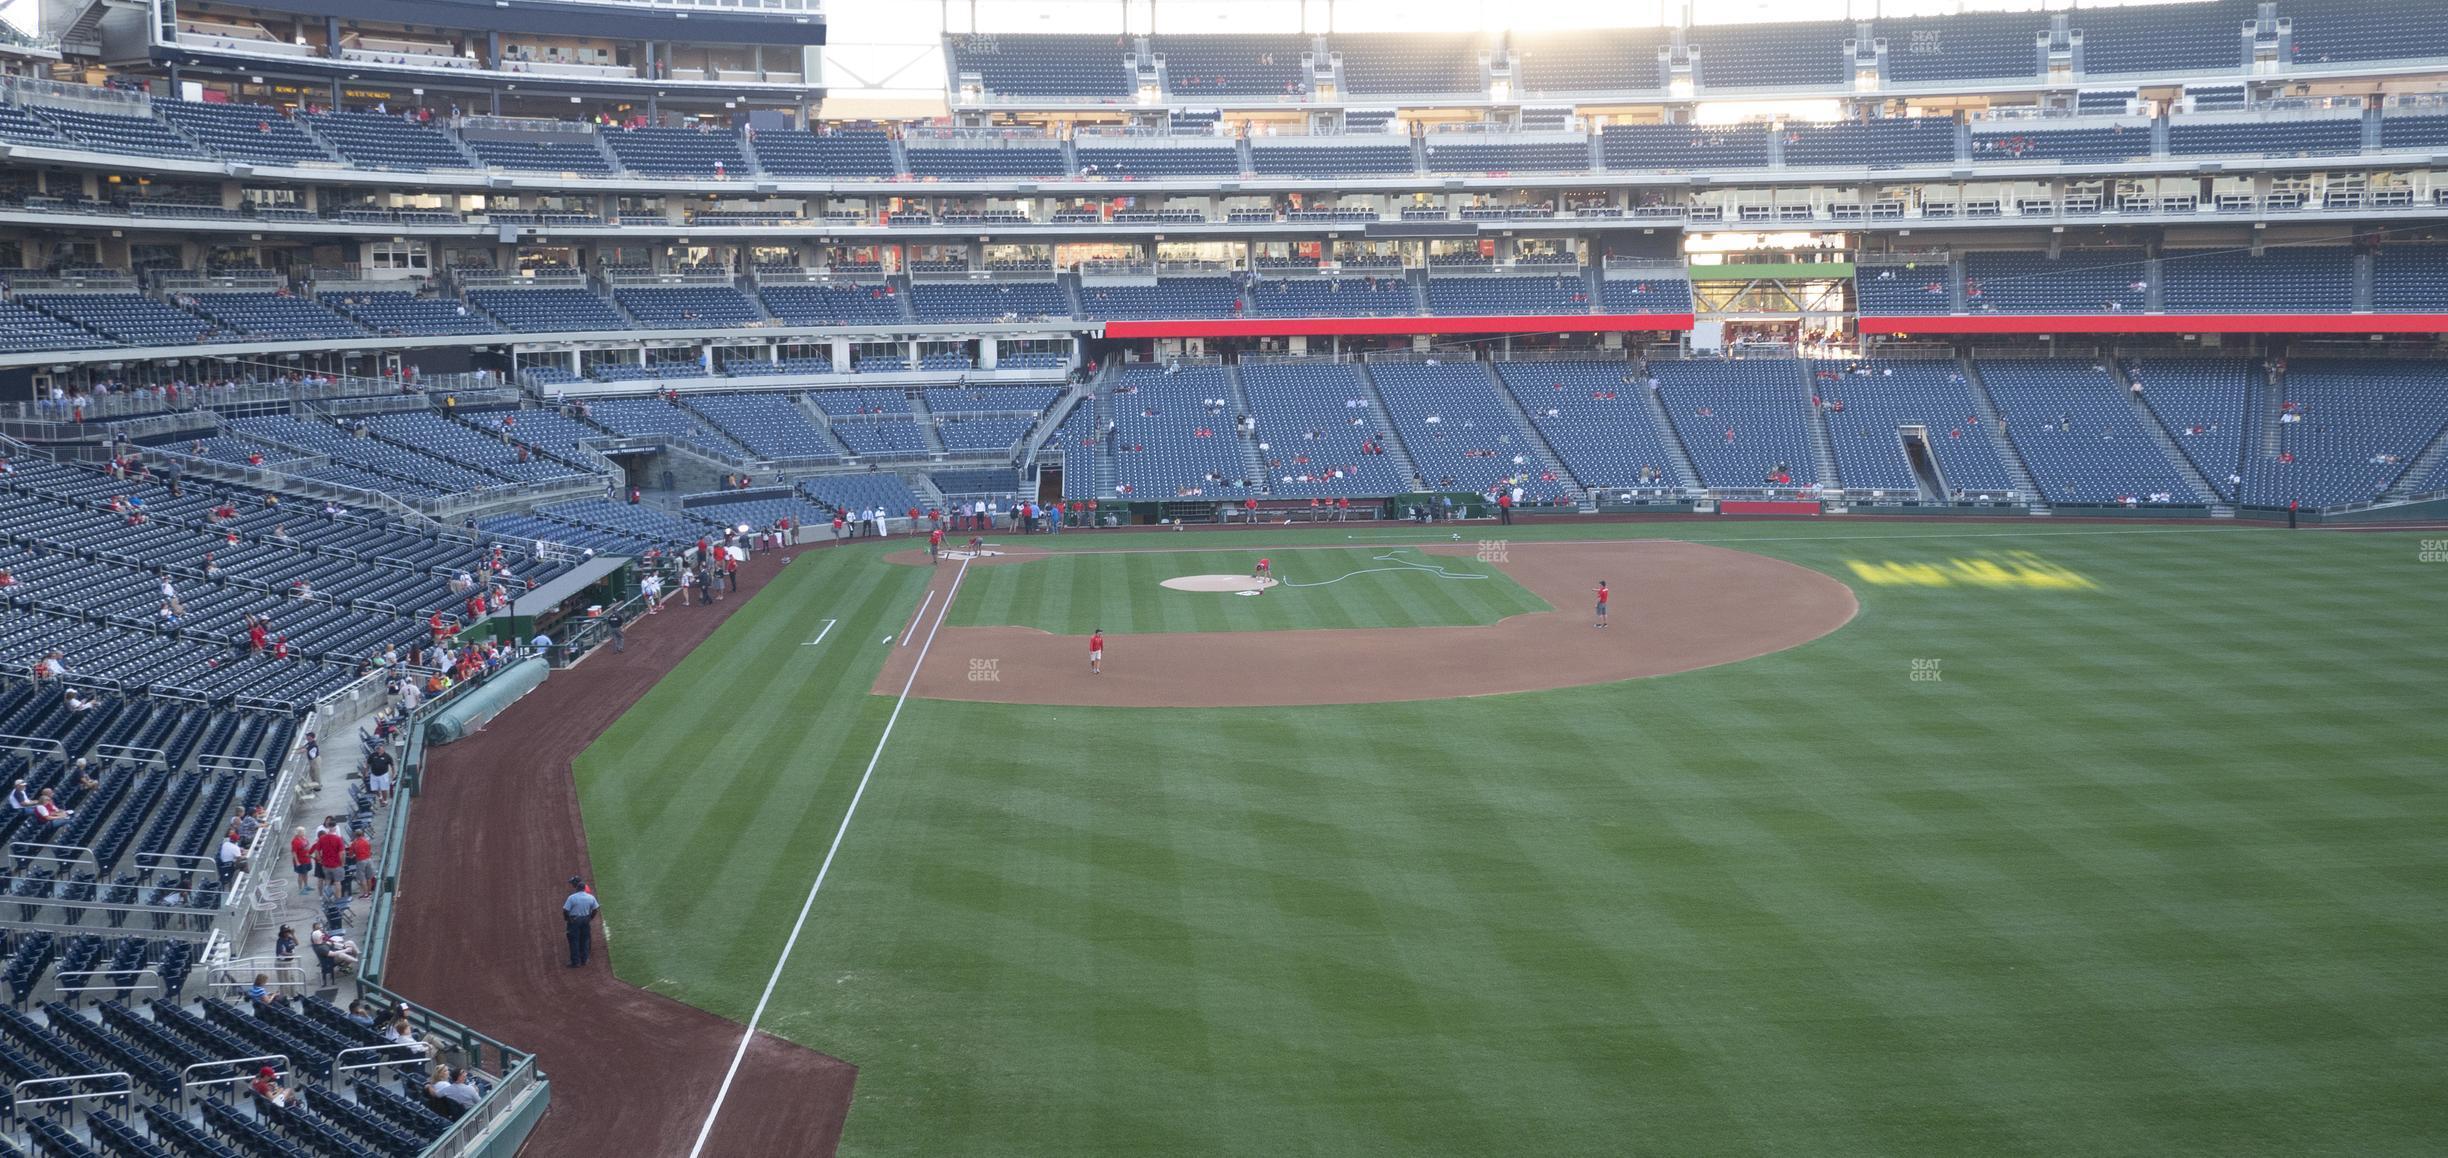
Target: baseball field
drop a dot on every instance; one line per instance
(1840, 839)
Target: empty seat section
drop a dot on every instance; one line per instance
(540, 153)
(972, 164)
(2265, 137)
(1762, 56)
(2410, 279)
(1173, 434)
(1534, 157)
(1041, 64)
(2089, 281)
(1459, 432)
(846, 154)
(2306, 279)
(1589, 60)
(1322, 434)
(110, 132)
(1634, 295)
(773, 425)
(988, 301)
(130, 319)
(1742, 421)
(1231, 64)
(1165, 297)
(382, 141)
(675, 152)
(816, 304)
(2080, 433)
(1340, 160)
(1882, 143)
(1488, 296)
(2104, 143)
(275, 316)
(1126, 162)
(2202, 402)
(2358, 426)
(1333, 297)
(2163, 38)
(688, 306)
(1597, 417)
(547, 310)
(24, 328)
(1963, 47)
(1869, 405)
(406, 314)
(1684, 147)
(256, 133)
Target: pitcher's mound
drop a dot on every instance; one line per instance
(1221, 583)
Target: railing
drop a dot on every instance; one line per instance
(240, 1071)
(63, 981)
(19, 1097)
(524, 125)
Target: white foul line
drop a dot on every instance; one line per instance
(828, 630)
(749, 1034)
(922, 606)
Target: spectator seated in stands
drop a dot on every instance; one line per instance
(400, 1033)
(260, 996)
(452, 1088)
(267, 1085)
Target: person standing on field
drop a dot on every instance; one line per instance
(578, 913)
(935, 545)
(1602, 603)
(1096, 652)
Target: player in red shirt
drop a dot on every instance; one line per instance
(935, 545)
(1096, 652)
(1602, 602)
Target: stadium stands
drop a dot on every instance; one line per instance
(1321, 434)
(1461, 433)
(673, 152)
(1351, 156)
(688, 306)
(984, 163)
(128, 319)
(274, 316)
(1332, 297)
(1228, 64)
(1867, 407)
(2081, 434)
(1042, 65)
(2295, 279)
(1684, 148)
(1879, 143)
(2356, 428)
(540, 153)
(1597, 417)
(1166, 297)
(836, 155)
(379, 141)
(772, 425)
(547, 309)
(1744, 422)
(816, 304)
(988, 301)
(392, 312)
(1130, 163)
(1557, 294)
(2202, 403)
(2087, 281)
(1173, 434)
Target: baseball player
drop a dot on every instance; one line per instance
(1096, 652)
(1260, 572)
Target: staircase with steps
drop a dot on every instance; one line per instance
(2420, 469)
(823, 422)
(1823, 445)
(926, 423)
(1253, 464)
(1530, 431)
(1986, 407)
(1385, 425)
(1674, 440)
(2203, 491)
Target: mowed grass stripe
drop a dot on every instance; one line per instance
(737, 752)
(1122, 591)
(2154, 868)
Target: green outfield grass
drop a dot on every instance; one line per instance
(1123, 590)
(2157, 866)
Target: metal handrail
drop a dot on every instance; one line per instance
(280, 1067)
(60, 980)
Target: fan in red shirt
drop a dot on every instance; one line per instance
(329, 848)
(1096, 652)
(1602, 604)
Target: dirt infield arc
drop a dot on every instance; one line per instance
(1677, 606)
